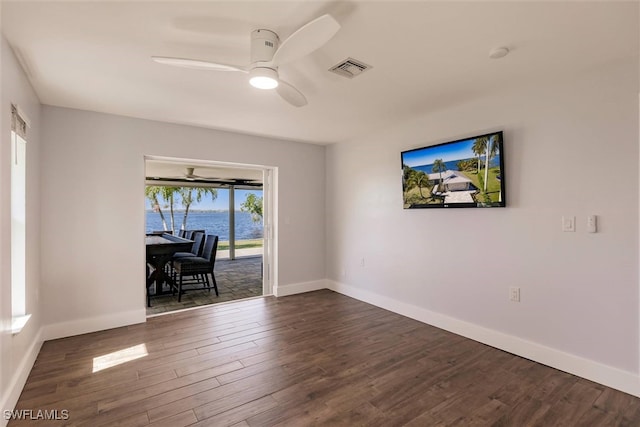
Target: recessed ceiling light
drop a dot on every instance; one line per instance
(498, 52)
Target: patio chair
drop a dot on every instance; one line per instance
(194, 271)
(196, 248)
(188, 234)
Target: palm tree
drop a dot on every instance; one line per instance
(169, 195)
(492, 150)
(154, 193)
(439, 166)
(479, 147)
(188, 195)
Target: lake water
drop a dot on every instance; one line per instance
(212, 222)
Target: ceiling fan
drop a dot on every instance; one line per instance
(190, 176)
(267, 54)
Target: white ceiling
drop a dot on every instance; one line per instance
(425, 56)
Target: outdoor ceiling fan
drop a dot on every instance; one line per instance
(187, 176)
(267, 54)
(191, 176)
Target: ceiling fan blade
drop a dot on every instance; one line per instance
(306, 39)
(196, 64)
(209, 178)
(290, 94)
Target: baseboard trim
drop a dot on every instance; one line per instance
(627, 382)
(298, 288)
(20, 376)
(93, 324)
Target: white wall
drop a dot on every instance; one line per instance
(571, 148)
(93, 210)
(18, 352)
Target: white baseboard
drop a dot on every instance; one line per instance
(19, 379)
(298, 288)
(627, 382)
(93, 324)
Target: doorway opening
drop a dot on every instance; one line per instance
(184, 198)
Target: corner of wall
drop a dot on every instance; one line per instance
(298, 288)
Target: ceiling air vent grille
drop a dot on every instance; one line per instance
(350, 68)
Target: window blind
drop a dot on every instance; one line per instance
(18, 124)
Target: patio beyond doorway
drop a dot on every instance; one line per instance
(237, 279)
(189, 198)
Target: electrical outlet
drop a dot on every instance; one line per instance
(514, 294)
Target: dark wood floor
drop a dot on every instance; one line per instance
(312, 359)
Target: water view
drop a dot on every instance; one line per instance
(213, 222)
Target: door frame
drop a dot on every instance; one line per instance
(269, 211)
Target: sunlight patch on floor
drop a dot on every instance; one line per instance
(119, 357)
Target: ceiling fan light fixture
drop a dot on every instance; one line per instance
(263, 78)
(267, 54)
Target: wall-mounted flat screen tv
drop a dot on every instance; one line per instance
(467, 173)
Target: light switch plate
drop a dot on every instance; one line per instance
(514, 294)
(568, 223)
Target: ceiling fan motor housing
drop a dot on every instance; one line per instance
(264, 44)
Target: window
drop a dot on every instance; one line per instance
(18, 219)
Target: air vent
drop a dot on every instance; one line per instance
(350, 68)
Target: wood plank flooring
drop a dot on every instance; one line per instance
(318, 358)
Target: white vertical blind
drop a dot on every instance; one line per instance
(18, 123)
(18, 213)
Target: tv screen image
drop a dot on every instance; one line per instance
(466, 173)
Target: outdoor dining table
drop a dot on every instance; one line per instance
(160, 250)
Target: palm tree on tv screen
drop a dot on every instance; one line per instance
(439, 166)
(423, 180)
(418, 179)
(408, 178)
(479, 147)
(492, 150)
